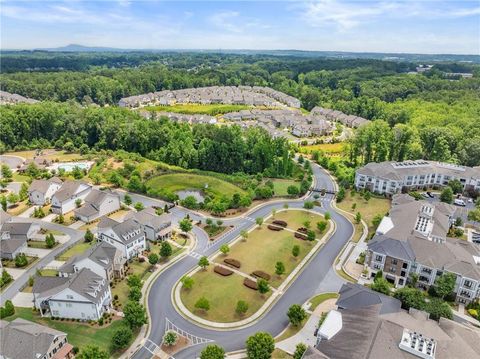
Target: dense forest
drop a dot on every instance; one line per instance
(425, 115)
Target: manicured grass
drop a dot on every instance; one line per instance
(119, 215)
(223, 293)
(78, 248)
(280, 354)
(17, 177)
(192, 108)
(212, 231)
(11, 263)
(79, 334)
(182, 181)
(318, 299)
(49, 272)
(368, 209)
(280, 186)
(50, 154)
(40, 244)
(296, 219)
(292, 330)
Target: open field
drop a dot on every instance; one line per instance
(223, 293)
(280, 186)
(182, 181)
(50, 154)
(330, 149)
(79, 334)
(368, 209)
(193, 108)
(78, 248)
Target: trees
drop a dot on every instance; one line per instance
(308, 205)
(138, 206)
(293, 190)
(170, 338)
(185, 225)
(92, 352)
(321, 226)
(242, 307)
(203, 304)
(279, 268)
(224, 248)
(152, 259)
(244, 234)
(189, 202)
(50, 240)
(135, 294)
(259, 221)
(376, 220)
(8, 310)
(6, 172)
(121, 338)
(23, 193)
(260, 346)
(340, 195)
(299, 350)
(127, 200)
(327, 216)
(381, 285)
(187, 282)
(165, 249)
(438, 308)
(445, 284)
(358, 217)
(456, 186)
(78, 203)
(212, 351)
(13, 198)
(263, 286)
(310, 235)
(5, 278)
(296, 314)
(203, 262)
(410, 298)
(295, 250)
(447, 195)
(133, 280)
(21, 260)
(134, 314)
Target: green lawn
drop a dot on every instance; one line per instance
(292, 330)
(213, 230)
(17, 177)
(78, 248)
(40, 244)
(79, 334)
(49, 272)
(193, 108)
(19, 208)
(318, 299)
(11, 263)
(280, 354)
(368, 209)
(223, 293)
(280, 186)
(296, 218)
(183, 181)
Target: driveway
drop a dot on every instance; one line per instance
(15, 272)
(37, 252)
(24, 300)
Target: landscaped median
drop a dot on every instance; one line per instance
(230, 292)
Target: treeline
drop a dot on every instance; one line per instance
(225, 149)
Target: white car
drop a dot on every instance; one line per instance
(459, 202)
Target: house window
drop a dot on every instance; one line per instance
(83, 315)
(378, 258)
(394, 261)
(69, 296)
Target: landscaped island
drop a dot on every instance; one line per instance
(233, 283)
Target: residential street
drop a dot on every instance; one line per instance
(275, 320)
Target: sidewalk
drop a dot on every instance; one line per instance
(305, 335)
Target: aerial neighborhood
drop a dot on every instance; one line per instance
(236, 205)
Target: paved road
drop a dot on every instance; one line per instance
(75, 236)
(305, 286)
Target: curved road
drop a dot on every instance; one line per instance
(275, 320)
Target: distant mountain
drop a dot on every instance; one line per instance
(81, 48)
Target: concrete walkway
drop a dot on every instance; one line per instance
(24, 300)
(305, 335)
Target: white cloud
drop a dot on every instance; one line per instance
(227, 20)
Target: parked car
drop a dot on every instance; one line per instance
(429, 194)
(459, 202)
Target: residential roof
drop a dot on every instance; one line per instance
(17, 230)
(4, 217)
(9, 246)
(22, 339)
(102, 253)
(357, 296)
(42, 185)
(149, 218)
(68, 189)
(84, 282)
(128, 231)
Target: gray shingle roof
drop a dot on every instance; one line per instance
(68, 189)
(22, 339)
(42, 185)
(357, 296)
(103, 254)
(149, 218)
(9, 246)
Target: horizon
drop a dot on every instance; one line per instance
(398, 27)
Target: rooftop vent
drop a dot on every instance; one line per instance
(418, 345)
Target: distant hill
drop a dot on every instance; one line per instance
(81, 48)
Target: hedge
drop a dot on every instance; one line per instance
(247, 282)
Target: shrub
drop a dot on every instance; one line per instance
(170, 338)
(203, 304)
(232, 262)
(242, 307)
(7, 310)
(263, 286)
(21, 260)
(261, 274)
(296, 314)
(223, 271)
(473, 313)
(121, 338)
(249, 283)
(212, 351)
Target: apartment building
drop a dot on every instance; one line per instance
(393, 177)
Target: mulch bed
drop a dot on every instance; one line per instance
(222, 271)
(280, 223)
(274, 228)
(261, 274)
(181, 343)
(302, 230)
(247, 282)
(300, 236)
(232, 262)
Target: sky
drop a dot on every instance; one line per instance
(408, 26)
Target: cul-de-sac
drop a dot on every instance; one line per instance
(169, 194)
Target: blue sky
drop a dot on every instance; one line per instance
(428, 26)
